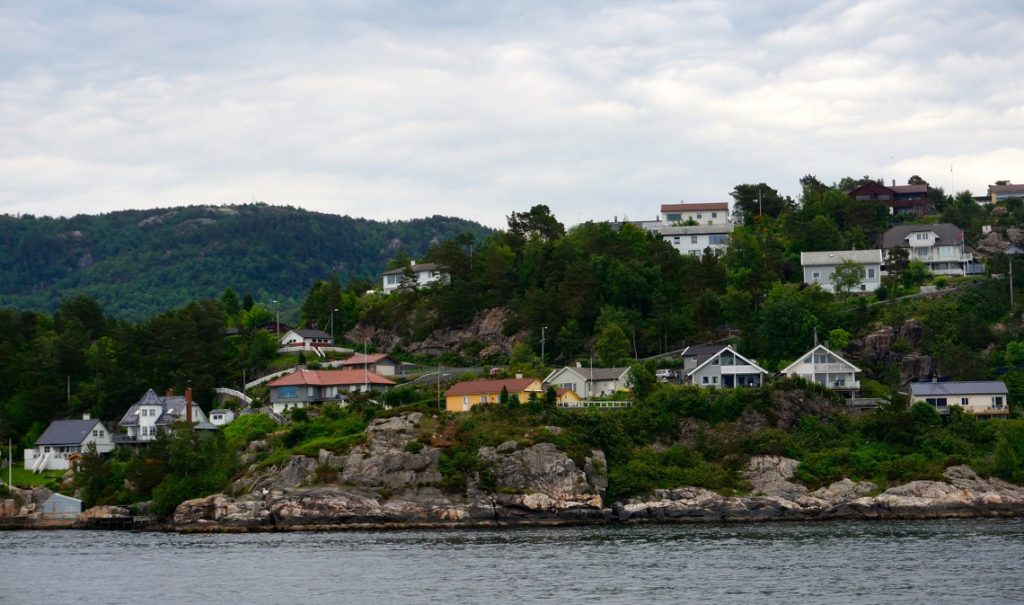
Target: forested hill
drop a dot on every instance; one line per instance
(139, 262)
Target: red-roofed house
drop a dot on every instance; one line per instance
(381, 363)
(302, 387)
(710, 213)
(464, 395)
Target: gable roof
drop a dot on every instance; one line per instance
(834, 257)
(1011, 188)
(699, 207)
(479, 387)
(947, 233)
(700, 350)
(372, 358)
(329, 378)
(811, 352)
(417, 268)
(910, 188)
(67, 432)
(733, 351)
(587, 373)
(312, 333)
(172, 408)
(975, 387)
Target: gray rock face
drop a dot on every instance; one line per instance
(387, 482)
(775, 498)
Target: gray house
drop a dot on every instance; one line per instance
(727, 369)
(59, 506)
(820, 266)
(588, 382)
(940, 247)
(64, 441)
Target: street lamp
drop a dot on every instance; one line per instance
(277, 315)
(333, 311)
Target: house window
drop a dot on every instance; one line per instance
(46, 449)
(288, 392)
(714, 379)
(816, 275)
(694, 252)
(698, 215)
(714, 215)
(997, 401)
(483, 399)
(871, 273)
(675, 240)
(94, 434)
(673, 217)
(883, 196)
(392, 280)
(465, 399)
(939, 402)
(693, 239)
(717, 239)
(863, 198)
(309, 392)
(964, 400)
(704, 380)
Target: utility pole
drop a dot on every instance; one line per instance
(1011, 282)
(759, 211)
(277, 323)
(333, 311)
(439, 382)
(542, 329)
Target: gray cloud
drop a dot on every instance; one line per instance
(406, 109)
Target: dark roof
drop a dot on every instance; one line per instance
(67, 432)
(977, 387)
(312, 333)
(684, 207)
(948, 234)
(173, 408)
(701, 350)
(1011, 188)
(910, 188)
(416, 268)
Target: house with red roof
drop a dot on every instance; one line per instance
(303, 387)
(464, 395)
(380, 363)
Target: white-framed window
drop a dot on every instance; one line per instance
(699, 215)
(714, 379)
(997, 401)
(714, 215)
(675, 240)
(964, 400)
(816, 275)
(693, 238)
(871, 273)
(483, 399)
(704, 380)
(465, 399)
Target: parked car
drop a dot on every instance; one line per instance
(665, 374)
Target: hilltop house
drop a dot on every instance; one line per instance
(303, 387)
(152, 414)
(426, 274)
(711, 213)
(464, 395)
(940, 246)
(899, 199)
(379, 363)
(982, 398)
(727, 369)
(1001, 193)
(589, 382)
(64, 441)
(693, 239)
(820, 266)
(827, 368)
(306, 339)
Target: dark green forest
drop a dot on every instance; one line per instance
(137, 263)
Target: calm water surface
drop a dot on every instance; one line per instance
(977, 561)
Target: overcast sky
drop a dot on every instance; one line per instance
(398, 109)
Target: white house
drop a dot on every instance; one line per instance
(820, 266)
(827, 368)
(983, 397)
(589, 382)
(727, 369)
(306, 339)
(152, 414)
(426, 274)
(940, 246)
(64, 441)
(711, 213)
(221, 417)
(693, 239)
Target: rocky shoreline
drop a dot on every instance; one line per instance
(392, 482)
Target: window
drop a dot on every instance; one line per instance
(816, 275)
(883, 196)
(939, 402)
(714, 215)
(483, 399)
(693, 239)
(675, 240)
(863, 198)
(921, 236)
(718, 239)
(714, 379)
(997, 401)
(465, 399)
(694, 252)
(704, 380)
(964, 400)
(673, 217)
(392, 280)
(699, 215)
(288, 392)
(310, 392)
(94, 434)
(871, 273)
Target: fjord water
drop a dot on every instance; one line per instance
(952, 561)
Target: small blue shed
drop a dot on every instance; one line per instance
(59, 506)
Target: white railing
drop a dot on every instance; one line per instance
(601, 405)
(234, 393)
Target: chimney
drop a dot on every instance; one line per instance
(519, 375)
(188, 405)
(170, 393)
(894, 182)
(579, 364)
(86, 416)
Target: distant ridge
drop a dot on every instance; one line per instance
(139, 262)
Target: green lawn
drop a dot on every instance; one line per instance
(24, 478)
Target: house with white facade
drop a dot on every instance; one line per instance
(981, 397)
(940, 247)
(709, 213)
(693, 239)
(823, 366)
(64, 441)
(819, 268)
(221, 417)
(727, 369)
(425, 275)
(589, 382)
(152, 414)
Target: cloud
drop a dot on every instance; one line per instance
(401, 109)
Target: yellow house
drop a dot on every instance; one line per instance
(465, 395)
(567, 396)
